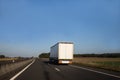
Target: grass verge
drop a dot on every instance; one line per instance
(104, 63)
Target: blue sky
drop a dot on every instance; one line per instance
(30, 27)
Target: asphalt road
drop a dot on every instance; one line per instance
(42, 70)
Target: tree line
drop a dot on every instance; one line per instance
(44, 55)
(106, 55)
(2, 56)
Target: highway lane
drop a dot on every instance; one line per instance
(42, 70)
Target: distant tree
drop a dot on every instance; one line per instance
(2, 56)
(44, 55)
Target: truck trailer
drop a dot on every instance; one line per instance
(62, 53)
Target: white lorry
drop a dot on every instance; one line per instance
(62, 53)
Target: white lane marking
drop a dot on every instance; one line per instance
(13, 78)
(57, 69)
(96, 71)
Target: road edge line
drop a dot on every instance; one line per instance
(95, 71)
(22, 70)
